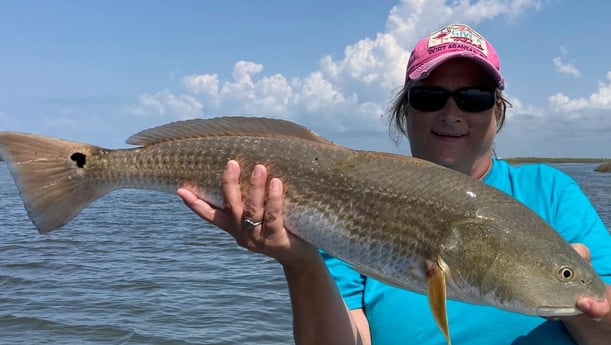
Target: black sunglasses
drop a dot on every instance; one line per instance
(469, 99)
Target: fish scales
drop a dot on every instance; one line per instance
(381, 214)
(398, 219)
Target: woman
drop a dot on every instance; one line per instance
(450, 109)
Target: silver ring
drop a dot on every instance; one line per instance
(248, 224)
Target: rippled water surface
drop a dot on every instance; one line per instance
(137, 267)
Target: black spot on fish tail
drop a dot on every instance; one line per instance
(79, 158)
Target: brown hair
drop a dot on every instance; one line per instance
(397, 115)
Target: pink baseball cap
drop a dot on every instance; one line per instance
(454, 40)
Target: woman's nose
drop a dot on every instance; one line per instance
(451, 113)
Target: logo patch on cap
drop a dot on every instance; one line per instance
(457, 37)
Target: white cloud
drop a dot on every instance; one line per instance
(205, 84)
(370, 68)
(242, 88)
(519, 109)
(566, 127)
(412, 19)
(273, 94)
(561, 102)
(317, 93)
(601, 99)
(244, 70)
(346, 96)
(165, 103)
(355, 89)
(565, 67)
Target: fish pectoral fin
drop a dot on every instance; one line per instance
(436, 276)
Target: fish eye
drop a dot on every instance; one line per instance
(565, 273)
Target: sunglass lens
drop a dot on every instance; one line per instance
(427, 98)
(469, 99)
(474, 100)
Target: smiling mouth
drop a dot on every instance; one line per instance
(448, 135)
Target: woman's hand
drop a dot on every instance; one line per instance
(270, 237)
(594, 325)
(319, 313)
(591, 307)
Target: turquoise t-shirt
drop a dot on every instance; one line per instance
(402, 317)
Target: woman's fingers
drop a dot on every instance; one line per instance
(589, 306)
(200, 207)
(232, 198)
(230, 217)
(254, 202)
(256, 219)
(583, 251)
(594, 309)
(274, 222)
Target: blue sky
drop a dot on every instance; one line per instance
(99, 71)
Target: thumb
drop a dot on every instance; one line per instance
(583, 251)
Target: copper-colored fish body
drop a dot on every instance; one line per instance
(391, 217)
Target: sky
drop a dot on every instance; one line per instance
(100, 71)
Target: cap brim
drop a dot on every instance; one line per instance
(425, 69)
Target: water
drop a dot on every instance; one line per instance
(596, 185)
(138, 267)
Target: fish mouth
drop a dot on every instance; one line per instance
(545, 311)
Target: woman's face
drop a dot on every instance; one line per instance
(452, 137)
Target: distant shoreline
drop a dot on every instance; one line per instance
(519, 160)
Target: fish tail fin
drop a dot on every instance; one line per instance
(51, 175)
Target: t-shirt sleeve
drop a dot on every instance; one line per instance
(351, 283)
(577, 221)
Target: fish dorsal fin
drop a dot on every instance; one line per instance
(224, 126)
(399, 156)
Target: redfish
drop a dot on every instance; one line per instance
(401, 220)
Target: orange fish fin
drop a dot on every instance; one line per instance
(437, 295)
(52, 176)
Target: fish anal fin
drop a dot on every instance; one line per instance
(437, 295)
